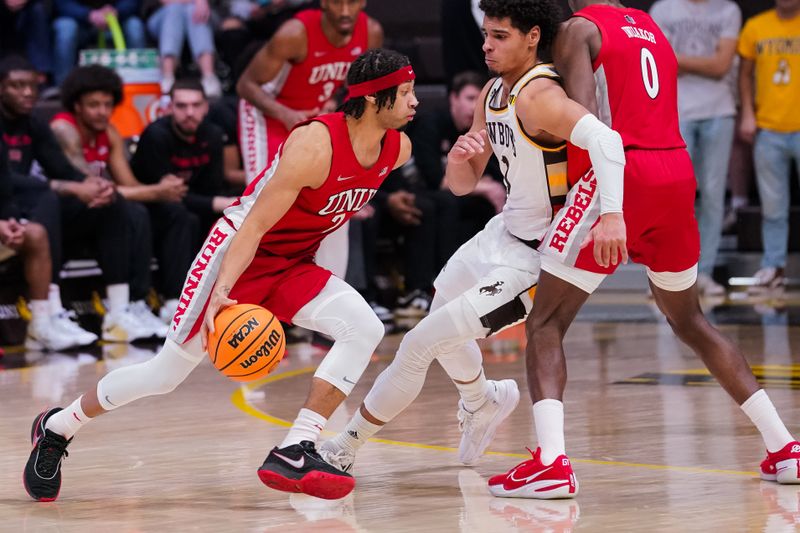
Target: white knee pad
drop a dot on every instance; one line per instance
(674, 281)
(341, 313)
(160, 375)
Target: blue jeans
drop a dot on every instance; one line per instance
(709, 143)
(773, 152)
(32, 27)
(70, 35)
(172, 24)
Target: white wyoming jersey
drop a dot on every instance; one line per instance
(535, 175)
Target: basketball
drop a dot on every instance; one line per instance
(247, 343)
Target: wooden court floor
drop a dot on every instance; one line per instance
(656, 444)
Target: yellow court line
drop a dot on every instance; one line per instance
(238, 399)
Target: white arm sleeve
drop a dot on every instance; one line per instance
(608, 159)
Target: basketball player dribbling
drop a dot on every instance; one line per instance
(262, 252)
(489, 282)
(294, 77)
(617, 62)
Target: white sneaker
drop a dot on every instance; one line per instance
(708, 287)
(211, 86)
(66, 322)
(148, 320)
(478, 428)
(768, 278)
(124, 327)
(42, 336)
(336, 457)
(167, 311)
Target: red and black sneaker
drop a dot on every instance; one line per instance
(299, 468)
(782, 466)
(532, 479)
(42, 475)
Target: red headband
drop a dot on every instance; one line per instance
(394, 79)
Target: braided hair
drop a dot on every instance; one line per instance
(371, 65)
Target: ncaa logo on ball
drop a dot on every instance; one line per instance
(264, 350)
(246, 329)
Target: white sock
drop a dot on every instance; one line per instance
(356, 433)
(68, 421)
(40, 311)
(548, 416)
(474, 394)
(307, 426)
(762, 413)
(54, 297)
(118, 297)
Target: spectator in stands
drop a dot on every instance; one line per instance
(25, 28)
(78, 22)
(434, 133)
(171, 22)
(89, 209)
(769, 86)
(46, 331)
(93, 145)
(425, 223)
(185, 145)
(703, 34)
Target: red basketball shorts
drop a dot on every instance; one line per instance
(279, 284)
(658, 208)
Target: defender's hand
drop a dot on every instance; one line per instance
(468, 146)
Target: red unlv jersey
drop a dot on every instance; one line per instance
(317, 212)
(313, 81)
(97, 152)
(636, 73)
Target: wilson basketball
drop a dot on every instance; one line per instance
(248, 342)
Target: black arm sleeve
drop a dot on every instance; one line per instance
(49, 154)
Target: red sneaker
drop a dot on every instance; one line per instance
(782, 466)
(532, 479)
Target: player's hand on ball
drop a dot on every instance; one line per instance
(468, 146)
(609, 240)
(219, 300)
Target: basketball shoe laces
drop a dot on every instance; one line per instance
(342, 459)
(52, 450)
(467, 420)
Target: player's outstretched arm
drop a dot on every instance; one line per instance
(289, 44)
(305, 162)
(468, 157)
(543, 106)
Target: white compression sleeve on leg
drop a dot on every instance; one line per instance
(439, 334)
(159, 375)
(608, 159)
(343, 314)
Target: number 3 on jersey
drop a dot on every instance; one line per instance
(649, 73)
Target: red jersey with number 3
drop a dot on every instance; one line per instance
(636, 73)
(313, 81)
(317, 212)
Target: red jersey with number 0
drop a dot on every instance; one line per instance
(317, 212)
(313, 81)
(636, 73)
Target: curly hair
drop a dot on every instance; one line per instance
(525, 14)
(89, 79)
(370, 65)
